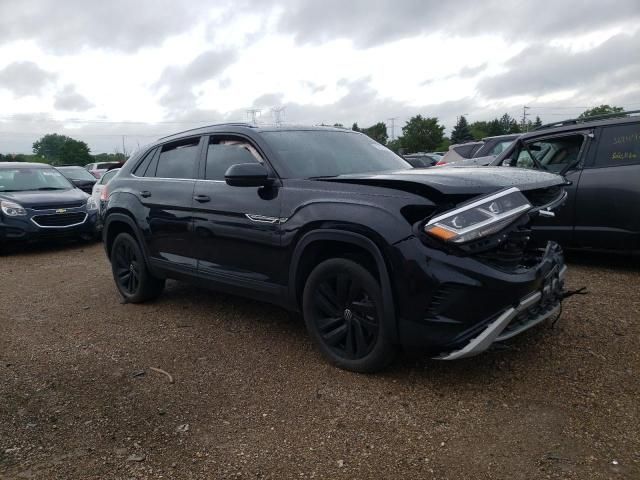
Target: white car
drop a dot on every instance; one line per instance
(100, 168)
(99, 186)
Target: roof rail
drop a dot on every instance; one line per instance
(234, 124)
(593, 118)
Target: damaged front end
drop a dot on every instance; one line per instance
(504, 281)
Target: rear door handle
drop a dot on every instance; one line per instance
(145, 194)
(202, 198)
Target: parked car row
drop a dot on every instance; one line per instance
(41, 202)
(476, 153)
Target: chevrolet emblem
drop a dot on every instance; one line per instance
(61, 210)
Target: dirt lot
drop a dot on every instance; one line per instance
(251, 397)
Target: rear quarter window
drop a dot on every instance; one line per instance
(619, 145)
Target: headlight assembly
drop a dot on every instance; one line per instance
(12, 209)
(479, 218)
(92, 204)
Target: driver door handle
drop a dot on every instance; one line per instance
(145, 194)
(202, 198)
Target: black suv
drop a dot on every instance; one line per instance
(600, 158)
(329, 223)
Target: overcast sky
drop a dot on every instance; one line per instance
(100, 70)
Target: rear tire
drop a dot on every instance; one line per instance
(133, 279)
(343, 310)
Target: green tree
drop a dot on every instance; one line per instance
(495, 127)
(601, 110)
(461, 132)
(421, 134)
(355, 127)
(479, 129)
(395, 145)
(537, 123)
(75, 152)
(509, 125)
(378, 132)
(49, 147)
(60, 149)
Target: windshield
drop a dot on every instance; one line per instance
(76, 173)
(316, 153)
(25, 179)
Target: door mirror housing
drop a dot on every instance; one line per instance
(247, 175)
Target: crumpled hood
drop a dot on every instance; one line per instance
(32, 199)
(457, 180)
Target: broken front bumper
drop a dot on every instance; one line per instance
(532, 310)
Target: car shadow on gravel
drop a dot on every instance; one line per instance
(263, 322)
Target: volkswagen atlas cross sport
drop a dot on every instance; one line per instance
(38, 203)
(376, 255)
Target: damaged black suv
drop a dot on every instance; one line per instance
(326, 222)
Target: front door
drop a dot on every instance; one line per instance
(237, 228)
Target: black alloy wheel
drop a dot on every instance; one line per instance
(343, 310)
(126, 268)
(133, 279)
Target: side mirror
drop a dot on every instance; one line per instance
(247, 175)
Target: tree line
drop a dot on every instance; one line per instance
(426, 134)
(419, 134)
(56, 149)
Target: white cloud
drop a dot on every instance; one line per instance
(145, 68)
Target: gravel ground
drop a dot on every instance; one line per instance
(252, 398)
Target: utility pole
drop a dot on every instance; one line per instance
(278, 115)
(393, 127)
(524, 117)
(253, 113)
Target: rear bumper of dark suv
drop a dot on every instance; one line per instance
(457, 307)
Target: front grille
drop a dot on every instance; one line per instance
(60, 219)
(55, 206)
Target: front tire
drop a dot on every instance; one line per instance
(133, 279)
(343, 311)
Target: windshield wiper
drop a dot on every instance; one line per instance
(50, 188)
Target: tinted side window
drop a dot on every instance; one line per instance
(142, 167)
(178, 160)
(619, 145)
(220, 156)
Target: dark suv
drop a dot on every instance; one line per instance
(327, 222)
(600, 158)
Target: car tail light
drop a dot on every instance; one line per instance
(104, 195)
(440, 163)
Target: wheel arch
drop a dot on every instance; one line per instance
(120, 222)
(298, 270)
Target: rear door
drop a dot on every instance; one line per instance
(237, 228)
(166, 180)
(608, 198)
